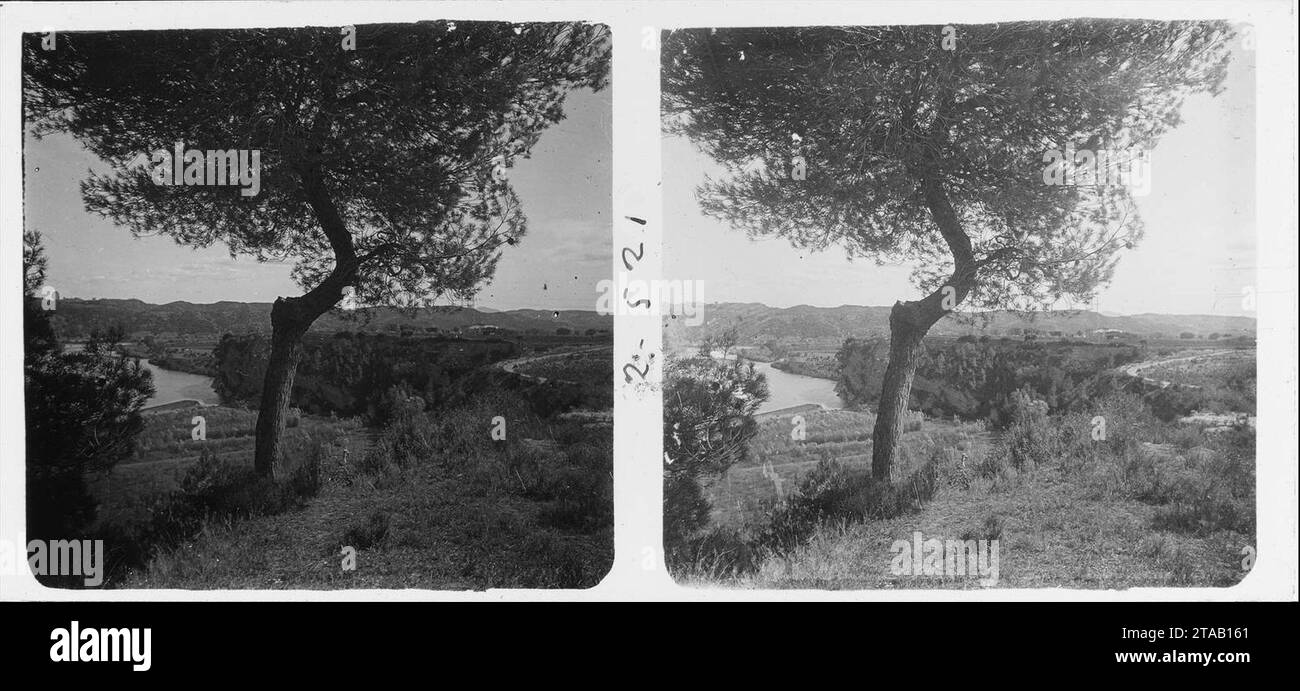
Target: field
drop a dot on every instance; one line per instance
(433, 499)
(1149, 501)
(1145, 516)
(746, 494)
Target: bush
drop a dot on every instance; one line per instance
(399, 401)
(1173, 402)
(708, 423)
(212, 491)
(832, 492)
(559, 462)
(988, 529)
(1198, 508)
(224, 491)
(1031, 439)
(1200, 483)
(373, 532)
(718, 553)
(82, 417)
(686, 511)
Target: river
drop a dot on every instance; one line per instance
(171, 386)
(174, 386)
(786, 390)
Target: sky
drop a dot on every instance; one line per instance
(565, 190)
(1196, 257)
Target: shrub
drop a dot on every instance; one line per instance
(212, 490)
(398, 401)
(988, 529)
(708, 424)
(718, 553)
(686, 511)
(373, 532)
(1031, 439)
(1200, 483)
(223, 490)
(82, 417)
(832, 492)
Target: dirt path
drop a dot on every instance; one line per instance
(1135, 369)
(512, 365)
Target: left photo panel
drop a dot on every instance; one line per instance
(314, 308)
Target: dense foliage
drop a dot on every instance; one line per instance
(348, 374)
(926, 145)
(378, 159)
(976, 380)
(83, 413)
(709, 412)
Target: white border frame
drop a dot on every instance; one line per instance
(638, 571)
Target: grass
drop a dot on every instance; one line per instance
(434, 502)
(744, 496)
(166, 451)
(1150, 504)
(169, 435)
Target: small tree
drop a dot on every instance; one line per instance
(727, 340)
(382, 166)
(82, 413)
(900, 146)
(38, 332)
(706, 347)
(709, 410)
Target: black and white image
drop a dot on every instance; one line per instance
(313, 308)
(980, 305)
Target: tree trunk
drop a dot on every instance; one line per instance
(290, 319)
(287, 329)
(905, 336)
(910, 321)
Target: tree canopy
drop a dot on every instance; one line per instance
(901, 134)
(389, 157)
(373, 156)
(999, 160)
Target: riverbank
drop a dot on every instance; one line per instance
(172, 388)
(788, 390)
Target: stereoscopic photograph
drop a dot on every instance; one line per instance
(312, 308)
(980, 305)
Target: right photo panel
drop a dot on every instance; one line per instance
(980, 305)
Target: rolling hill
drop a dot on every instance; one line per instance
(756, 323)
(76, 318)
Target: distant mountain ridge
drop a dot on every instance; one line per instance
(756, 322)
(77, 317)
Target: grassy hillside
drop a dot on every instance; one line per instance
(500, 490)
(432, 502)
(1148, 504)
